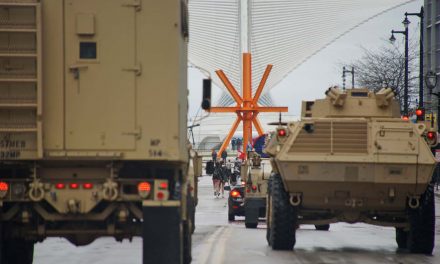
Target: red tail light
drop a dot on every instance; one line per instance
(163, 185)
(74, 186)
(60, 186)
(87, 185)
(144, 187)
(160, 195)
(431, 135)
(235, 194)
(282, 132)
(4, 187)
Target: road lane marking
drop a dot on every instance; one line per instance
(218, 256)
(206, 248)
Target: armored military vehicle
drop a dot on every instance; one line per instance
(351, 158)
(93, 106)
(255, 174)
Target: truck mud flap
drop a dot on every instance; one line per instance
(252, 210)
(162, 232)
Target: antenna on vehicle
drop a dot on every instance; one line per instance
(279, 123)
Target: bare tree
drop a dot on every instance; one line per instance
(385, 67)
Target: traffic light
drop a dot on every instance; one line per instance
(206, 99)
(420, 113)
(431, 138)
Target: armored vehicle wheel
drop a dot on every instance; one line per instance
(188, 229)
(268, 212)
(187, 257)
(401, 238)
(192, 213)
(422, 225)
(231, 217)
(17, 251)
(322, 227)
(251, 225)
(283, 217)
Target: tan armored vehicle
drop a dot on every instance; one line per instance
(351, 158)
(93, 140)
(255, 174)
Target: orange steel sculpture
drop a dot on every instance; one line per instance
(247, 108)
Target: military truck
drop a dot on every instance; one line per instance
(93, 106)
(351, 158)
(255, 174)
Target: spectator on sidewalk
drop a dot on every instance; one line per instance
(224, 156)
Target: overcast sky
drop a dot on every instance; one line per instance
(311, 79)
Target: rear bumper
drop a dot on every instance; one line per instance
(236, 207)
(353, 195)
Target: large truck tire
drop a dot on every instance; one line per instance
(322, 227)
(192, 213)
(1, 243)
(17, 251)
(251, 217)
(231, 217)
(268, 210)
(163, 234)
(422, 225)
(401, 238)
(187, 243)
(188, 229)
(283, 217)
(251, 225)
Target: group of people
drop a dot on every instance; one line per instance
(236, 143)
(221, 173)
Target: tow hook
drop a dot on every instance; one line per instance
(36, 190)
(110, 190)
(295, 199)
(413, 202)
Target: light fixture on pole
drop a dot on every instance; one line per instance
(431, 79)
(393, 39)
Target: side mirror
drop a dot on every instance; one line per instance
(227, 188)
(206, 99)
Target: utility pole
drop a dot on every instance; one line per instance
(344, 71)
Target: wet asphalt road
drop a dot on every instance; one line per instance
(217, 241)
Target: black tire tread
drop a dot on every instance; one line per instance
(422, 225)
(282, 233)
(322, 227)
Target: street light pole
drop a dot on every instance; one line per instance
(420, 15)
(344, 71)
(405, 91)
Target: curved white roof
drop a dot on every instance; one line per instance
(284, 33)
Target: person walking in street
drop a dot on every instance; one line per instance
(216, 180)
(238, 143)
(234, 143)
(224, 156)
(214, 155)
